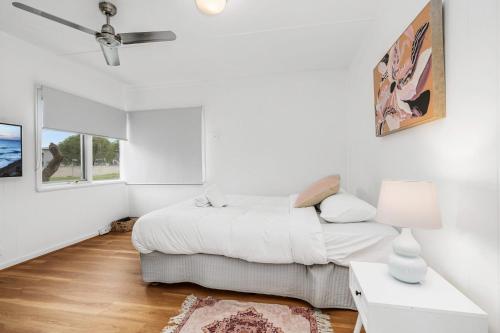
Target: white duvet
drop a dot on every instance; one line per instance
(255, 229)
(365, 241)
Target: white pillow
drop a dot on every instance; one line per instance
(346, 208)
(216, 197)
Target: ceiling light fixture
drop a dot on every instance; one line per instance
(211, 7)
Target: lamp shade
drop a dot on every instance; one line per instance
(409, 204)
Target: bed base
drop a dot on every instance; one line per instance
(323, 286)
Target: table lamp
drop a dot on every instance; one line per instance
(408, 204)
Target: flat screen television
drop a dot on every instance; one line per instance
(11, 150)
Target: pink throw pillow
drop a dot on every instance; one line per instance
(318, 192)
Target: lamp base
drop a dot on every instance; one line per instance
(405, 264)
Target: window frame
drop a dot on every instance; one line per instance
(86, 162)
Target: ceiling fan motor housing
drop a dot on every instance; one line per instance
(107, 36)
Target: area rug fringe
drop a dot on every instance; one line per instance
(323, 322)
(174, 322)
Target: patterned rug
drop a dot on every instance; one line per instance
(210, 315)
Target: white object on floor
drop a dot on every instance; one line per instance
(255, 229)
(346, 208)
(386, 305)
(408, 204)
(365, 241)
(105, 230)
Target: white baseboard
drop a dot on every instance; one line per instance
(42, 252)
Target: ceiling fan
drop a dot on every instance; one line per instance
(107, 38)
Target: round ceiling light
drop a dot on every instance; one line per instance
(211, 7)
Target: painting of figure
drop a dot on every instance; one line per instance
(409, 80)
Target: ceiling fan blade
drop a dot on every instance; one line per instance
(111, 55)
(53, 18)
(147, 37)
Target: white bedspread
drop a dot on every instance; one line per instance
(365, 241)
(255, 229)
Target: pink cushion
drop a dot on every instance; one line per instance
(318, 192)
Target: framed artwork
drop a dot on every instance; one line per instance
(409, 81)
(11, 150)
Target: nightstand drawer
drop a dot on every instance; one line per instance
(359, 298)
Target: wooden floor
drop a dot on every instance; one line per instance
(96, 286)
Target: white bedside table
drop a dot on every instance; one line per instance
(386, 305)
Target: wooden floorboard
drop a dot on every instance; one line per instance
(96, 286)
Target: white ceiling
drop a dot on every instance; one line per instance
(251, 37)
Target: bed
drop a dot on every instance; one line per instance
(259, 245)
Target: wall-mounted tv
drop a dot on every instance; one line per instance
(11, 150)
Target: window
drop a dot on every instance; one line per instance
(78, 140)
(62, 156)
(167, 147)
(105, 158)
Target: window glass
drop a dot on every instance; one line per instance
(61, 157)
(105, 158)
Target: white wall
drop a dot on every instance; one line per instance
(32, 223)
(265, 135)
(459, 153)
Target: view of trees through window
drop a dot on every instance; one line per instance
(63, 158)
(105, 158)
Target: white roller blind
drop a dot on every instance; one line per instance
(67, 112)
(165, 147)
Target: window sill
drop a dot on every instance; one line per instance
(72, 186)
